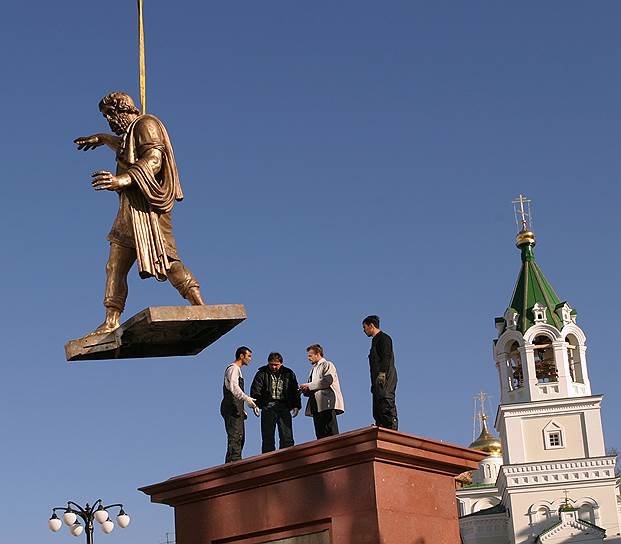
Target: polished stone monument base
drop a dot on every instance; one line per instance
(370, 486)
(160, 331)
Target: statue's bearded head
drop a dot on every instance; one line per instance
(119, 110)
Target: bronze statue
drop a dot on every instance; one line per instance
(147, 183)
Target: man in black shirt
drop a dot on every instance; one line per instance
(275, 389)
(383, 374)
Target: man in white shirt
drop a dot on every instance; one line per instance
(232, 405)
(323, 390)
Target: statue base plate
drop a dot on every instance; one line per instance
(160, 331)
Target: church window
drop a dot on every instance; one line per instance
(511, 318)
(553, 436)
(573, 357)
(564, 311)
(539, 517)
(543, 514)
(517, 373)
(545, 364)
(539, 313)
(587, 513)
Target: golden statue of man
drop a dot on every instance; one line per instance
(147, 183)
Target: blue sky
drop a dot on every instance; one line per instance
(338, 159)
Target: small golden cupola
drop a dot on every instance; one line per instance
(489, 468)
(486, 441)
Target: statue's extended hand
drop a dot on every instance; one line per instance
(89, 142)
(104, 180)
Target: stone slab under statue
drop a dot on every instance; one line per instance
(159, 331)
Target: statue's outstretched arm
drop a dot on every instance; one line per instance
(96, 140)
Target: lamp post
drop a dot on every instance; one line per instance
(88, 514)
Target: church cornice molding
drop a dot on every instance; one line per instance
(582, 471)
(550, 406)
(477, 492)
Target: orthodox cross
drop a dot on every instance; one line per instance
(566, 498)
(479, 412)
(523, 217)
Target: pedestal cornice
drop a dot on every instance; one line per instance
(371, 444)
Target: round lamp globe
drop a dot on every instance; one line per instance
(101, 515)
(122, 520)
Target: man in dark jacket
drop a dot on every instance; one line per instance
(383, 374)
(275, 389)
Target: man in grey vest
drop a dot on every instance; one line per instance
(232, 405)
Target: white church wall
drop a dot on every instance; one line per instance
(474, 499)
(538, 431)
(595, 504)
(488, 470)
(513, 450)
(510, 418)
(490, 529)
(594, 433)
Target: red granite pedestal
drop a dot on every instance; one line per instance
(370, 486)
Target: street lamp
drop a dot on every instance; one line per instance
(98, 512)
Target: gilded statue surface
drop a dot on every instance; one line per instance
(147, 183)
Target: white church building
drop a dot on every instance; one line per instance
(549, 480)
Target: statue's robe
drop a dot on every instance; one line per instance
(144, 219)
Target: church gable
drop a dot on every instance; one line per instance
(572, 529)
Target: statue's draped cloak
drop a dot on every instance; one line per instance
(144, 218)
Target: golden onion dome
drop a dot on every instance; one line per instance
(487, 442)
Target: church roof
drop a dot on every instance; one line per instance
(492, 510)
(569, 526)
(533, 288)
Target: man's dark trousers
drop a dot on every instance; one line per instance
(384, 406)
(382, 361)
(276, 413)
(232, 411)
(324, 421)
(235, 437)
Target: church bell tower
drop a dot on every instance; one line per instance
(548, 419)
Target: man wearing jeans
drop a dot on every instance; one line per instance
(275, 389)
(232, 405)
(323, 390)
